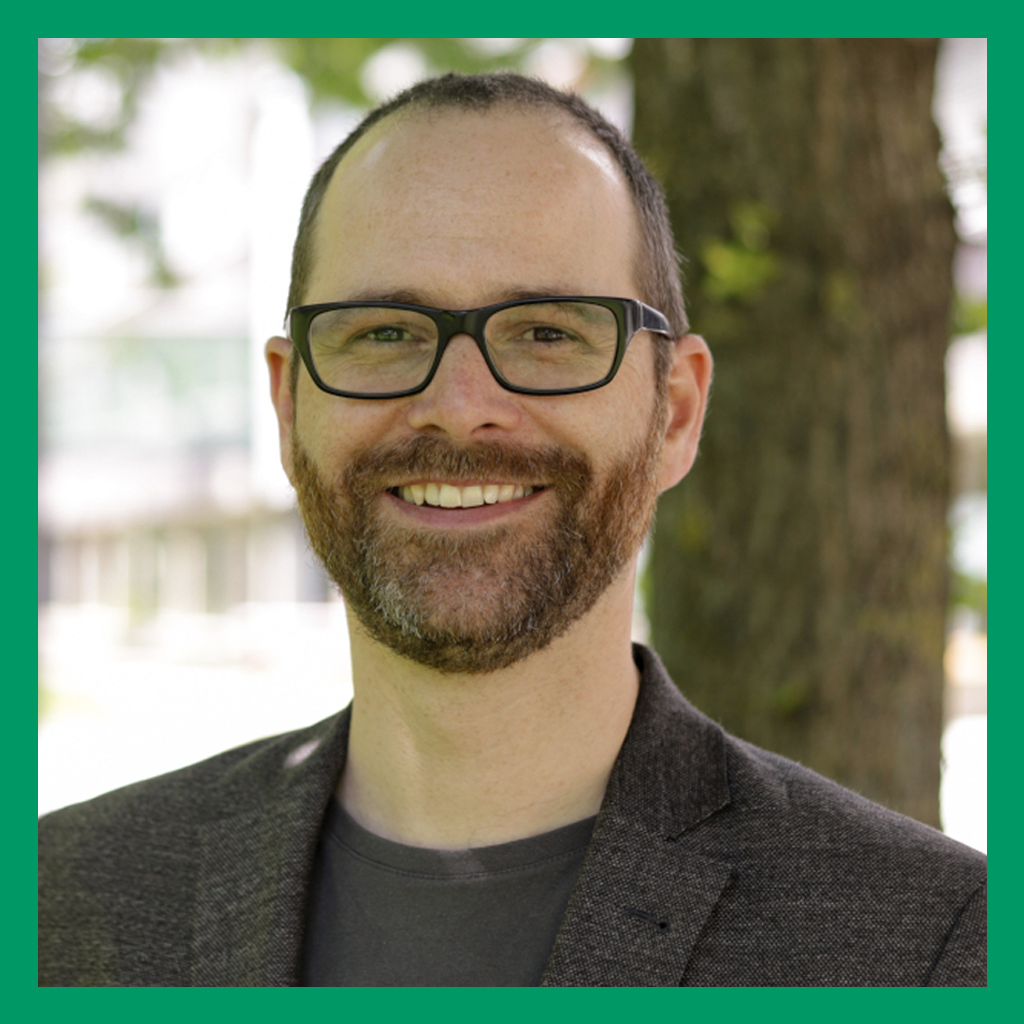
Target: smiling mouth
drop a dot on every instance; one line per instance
(439, 495)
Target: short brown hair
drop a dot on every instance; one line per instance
(657, 268)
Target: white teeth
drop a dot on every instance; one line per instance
(470, 496)
(413, 494)
(450, 497)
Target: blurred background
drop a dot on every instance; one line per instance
(180, 610)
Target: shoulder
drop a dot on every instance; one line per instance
(843, 889)
(872, 896)
(120, 876)
(780, 806)
(157, 817)
(786, 806)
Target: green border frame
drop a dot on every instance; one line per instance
(758, 19)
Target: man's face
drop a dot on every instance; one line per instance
(460, 210)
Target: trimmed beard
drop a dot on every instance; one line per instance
(477, 601)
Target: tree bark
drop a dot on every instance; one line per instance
(798, 579)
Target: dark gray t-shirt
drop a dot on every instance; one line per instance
(386, 914)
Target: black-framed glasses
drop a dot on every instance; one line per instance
(544, 346)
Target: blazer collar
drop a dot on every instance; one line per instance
(642, 898)
(256, 862)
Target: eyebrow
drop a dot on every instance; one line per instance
(416, 298)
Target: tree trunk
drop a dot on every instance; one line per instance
(798, 578)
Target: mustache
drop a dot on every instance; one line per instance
(376, 467)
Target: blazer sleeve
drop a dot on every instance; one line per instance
(964, 957)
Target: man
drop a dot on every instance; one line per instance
(487, 381)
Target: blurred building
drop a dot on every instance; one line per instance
(159, 483)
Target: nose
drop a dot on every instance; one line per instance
(464, 401)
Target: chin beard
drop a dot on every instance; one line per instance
(475, 602)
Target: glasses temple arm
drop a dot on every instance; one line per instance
(652, 320)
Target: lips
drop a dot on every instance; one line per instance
(446, 495)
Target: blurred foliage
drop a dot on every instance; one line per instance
(740, 267)
(90, 91)
(333, 68)
(114, 72)
(735, 271)
(117, 66)
(970, 592)
(140, 227)
(89, 96)
(969, 315)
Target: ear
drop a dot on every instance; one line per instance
(689, 381)
(279, 355)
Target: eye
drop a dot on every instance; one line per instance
(387, 334)
(546, 333)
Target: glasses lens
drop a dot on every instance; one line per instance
(553, 345)
(372, 349)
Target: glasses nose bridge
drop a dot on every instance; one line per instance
(462, 321)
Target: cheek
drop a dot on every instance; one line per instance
(632, 397)
(319, 425)
(310, 427)
(330, 428)
(637, 368)
(607, 426)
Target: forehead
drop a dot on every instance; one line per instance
(479, 197)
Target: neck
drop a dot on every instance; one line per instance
(453, 762)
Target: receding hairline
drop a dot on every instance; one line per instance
(418, 112)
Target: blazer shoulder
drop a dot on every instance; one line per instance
(807, 806)
(849, 892)
(120, 876)
(687, 776)
(198, 792)
(850, 874)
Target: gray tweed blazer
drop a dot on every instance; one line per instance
(712, 863)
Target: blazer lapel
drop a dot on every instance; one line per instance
(642, 898)
(255, 865)
(636, 913)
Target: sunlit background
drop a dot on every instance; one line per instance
(180, 609)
